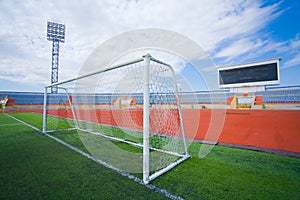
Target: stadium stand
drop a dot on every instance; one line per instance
(258, 100)
(275, 95)
(281, 95)
(24, 98)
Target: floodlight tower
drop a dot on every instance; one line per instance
(56, 34)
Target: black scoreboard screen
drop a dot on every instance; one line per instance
(259, 74)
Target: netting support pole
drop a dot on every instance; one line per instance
(178, 104)
(45, 111)
(72, 107)
(146, 121)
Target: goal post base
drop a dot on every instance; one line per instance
(166, 169)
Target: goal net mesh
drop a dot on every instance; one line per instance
(107, 110)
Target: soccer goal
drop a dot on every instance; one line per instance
(132, 110)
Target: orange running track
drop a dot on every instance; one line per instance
(271, 129)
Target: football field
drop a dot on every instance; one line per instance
(34, 166)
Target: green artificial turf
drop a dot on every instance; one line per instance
(228, 173)
(34, 165)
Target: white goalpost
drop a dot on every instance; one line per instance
(134, 103)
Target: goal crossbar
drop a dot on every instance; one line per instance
(96, 72)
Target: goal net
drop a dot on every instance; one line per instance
(127, 115)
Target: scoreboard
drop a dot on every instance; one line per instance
(250, 74)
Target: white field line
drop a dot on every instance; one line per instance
(33, 127)
(13, 124)
(121, 172)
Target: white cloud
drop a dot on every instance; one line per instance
(294, 62)
(290, 46)
(293, 48)
(240, 47)
(25, 52)
(252, 48)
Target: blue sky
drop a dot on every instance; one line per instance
(229, 31)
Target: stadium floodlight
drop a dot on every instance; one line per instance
(56, 34)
